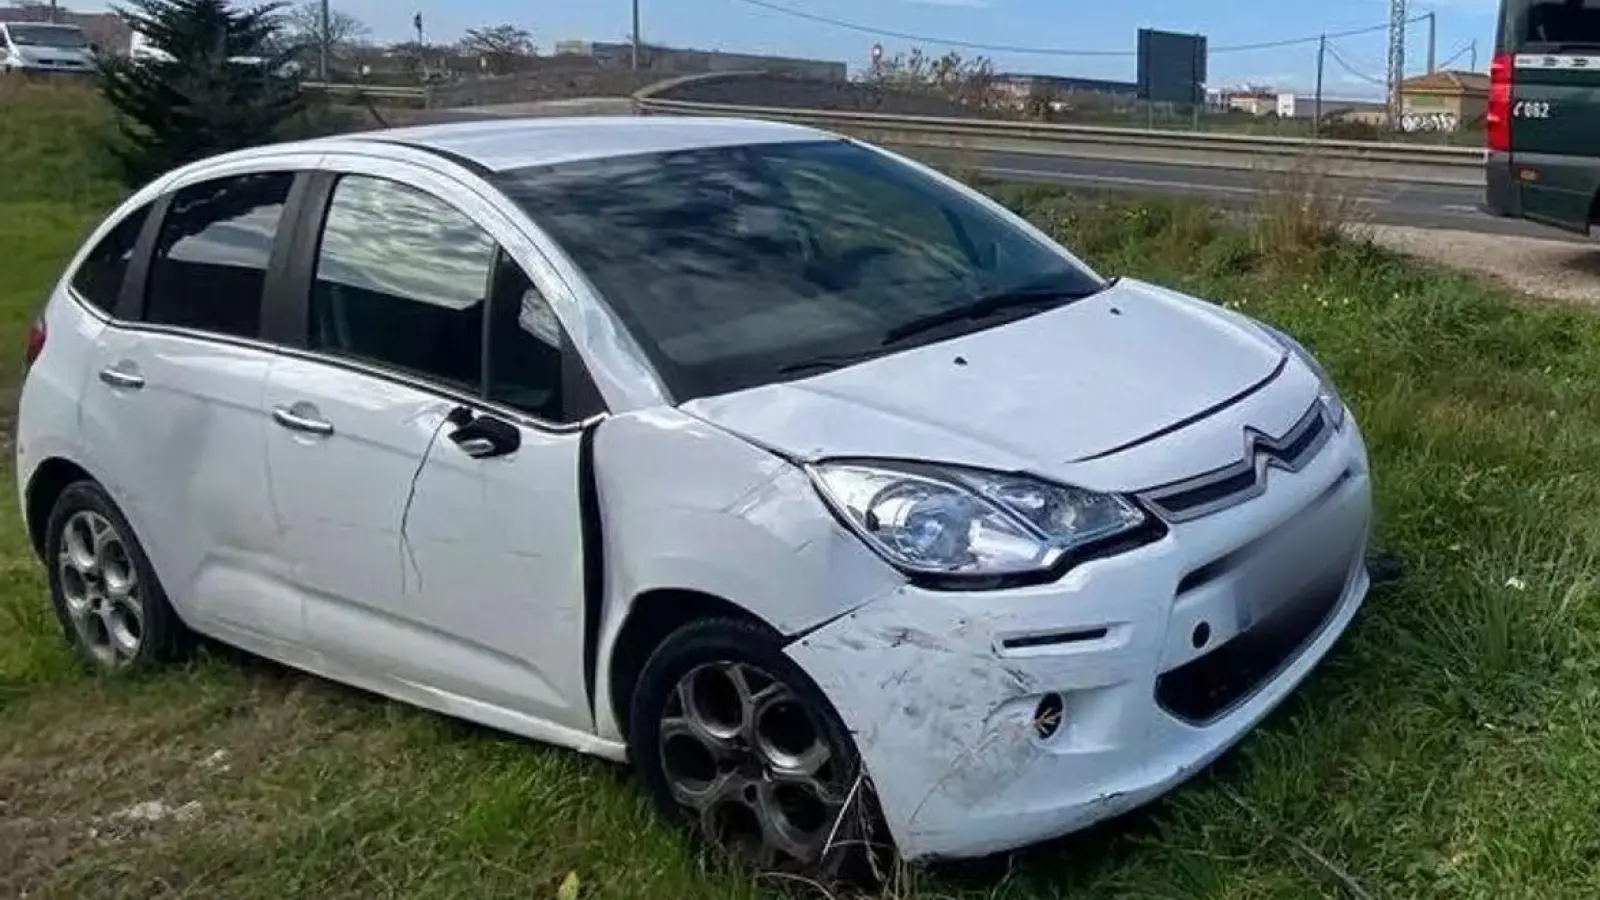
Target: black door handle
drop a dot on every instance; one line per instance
(483, 437)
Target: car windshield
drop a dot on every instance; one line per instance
(47, 36)
(1552, 25)
(739, 266)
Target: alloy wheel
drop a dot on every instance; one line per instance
(100, 589)
(745, 758)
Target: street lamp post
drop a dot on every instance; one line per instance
(636, 35)
(322, 44)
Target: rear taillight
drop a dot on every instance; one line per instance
(1498, 121)
(36, 335)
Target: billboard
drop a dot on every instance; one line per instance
(1172, 66)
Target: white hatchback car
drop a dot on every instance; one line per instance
(806, 477)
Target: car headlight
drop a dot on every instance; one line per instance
(960, 523)
(1329, 396)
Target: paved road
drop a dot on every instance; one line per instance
(1381, 202)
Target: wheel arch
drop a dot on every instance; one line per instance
(49, 479)
(652, 616)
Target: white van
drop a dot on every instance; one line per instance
(37, 47)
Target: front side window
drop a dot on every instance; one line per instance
(402, 279)
(528, 349)
(406, 280)
(209, 268)
(740, 266)
(99, 278)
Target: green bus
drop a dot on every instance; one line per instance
(1543, 121)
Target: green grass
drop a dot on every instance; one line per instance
(1448, 748)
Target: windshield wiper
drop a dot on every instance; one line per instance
(985, 307)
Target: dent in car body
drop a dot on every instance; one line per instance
(687, 506)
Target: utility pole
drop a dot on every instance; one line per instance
(636, 35)
(1433, 39)
(324, 28)
(1474, 51)
(1397, 59)
(1316, 105)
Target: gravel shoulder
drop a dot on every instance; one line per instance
(1553, 269)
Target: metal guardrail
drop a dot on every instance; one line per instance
(418, 95)
(1454, 166)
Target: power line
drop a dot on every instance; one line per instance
(1465, 49)
(1049, 51)
(1352, 71)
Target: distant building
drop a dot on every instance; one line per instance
(1447, 100)
(1364, 112)
(676, 60)
(1019, 85)
(1252, 101)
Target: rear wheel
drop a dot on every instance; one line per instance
(106, 596)
(731, 737)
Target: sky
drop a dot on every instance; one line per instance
(1354, 69)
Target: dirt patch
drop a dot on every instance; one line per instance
(1568, 271)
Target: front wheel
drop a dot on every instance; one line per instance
(731, 737)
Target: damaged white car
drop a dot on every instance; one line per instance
(807, 479)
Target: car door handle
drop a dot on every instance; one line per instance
(482, 437)
(478, 447)
(295, 421)
(121, 378)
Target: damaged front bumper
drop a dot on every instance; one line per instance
(993, 720)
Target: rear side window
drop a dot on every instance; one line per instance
(99, 279)
(1554, 25)
(209, 269)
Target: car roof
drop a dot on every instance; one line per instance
(499, 145)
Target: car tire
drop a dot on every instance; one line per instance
(732, 739)
(111, 606)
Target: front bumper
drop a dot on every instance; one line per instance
(1156, 669)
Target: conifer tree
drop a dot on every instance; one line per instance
(220, 80)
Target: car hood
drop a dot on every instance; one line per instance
(1066, 386)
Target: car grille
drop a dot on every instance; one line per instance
(1203, 689)
(1234, 484)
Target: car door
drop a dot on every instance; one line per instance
(495, 528)
(383, 507)
(171, 418)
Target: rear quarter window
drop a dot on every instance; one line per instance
(98, 280)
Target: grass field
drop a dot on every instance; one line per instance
(1449, 747)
